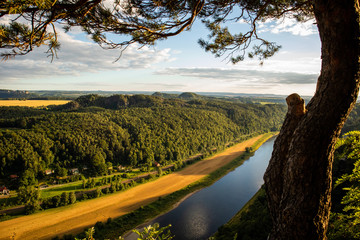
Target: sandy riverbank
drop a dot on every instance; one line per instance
(74, 218)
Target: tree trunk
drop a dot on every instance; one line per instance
(298, 178)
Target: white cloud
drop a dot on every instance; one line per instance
(242, 21)
(155, 86)
(240, 80)
(289, 25)
(242, 76)
(285, 62)
(76, 57)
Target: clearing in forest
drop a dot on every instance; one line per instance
(32, 103)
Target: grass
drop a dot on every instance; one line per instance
(265, 103)
(114, 228)
(32, 103)
(263, 139)
(54, 190)
(69, 187)
(77, 186)
(7, 201)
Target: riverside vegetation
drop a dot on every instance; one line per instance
(344, 218)
(93, 135)
(71, 219)
(115, 227)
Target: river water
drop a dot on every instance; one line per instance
(200, 215)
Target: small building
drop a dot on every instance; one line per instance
(14, 177)
(156, 164)
(43, 186)
(49, 171)
(74, 171)
(4, 191)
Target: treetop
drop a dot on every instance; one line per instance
(35, 22)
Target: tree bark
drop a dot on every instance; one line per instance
(298, 178)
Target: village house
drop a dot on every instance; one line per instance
(49, 171)
(4, 191)
(74, 171)
(14, 177)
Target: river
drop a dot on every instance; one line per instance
(200, 215)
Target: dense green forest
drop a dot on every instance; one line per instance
(94, 133)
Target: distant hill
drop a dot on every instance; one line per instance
(31, 95)
(74, 94)
(18, 94)
(189, 96)
(165, 95)
(184, 96)
(113, 102)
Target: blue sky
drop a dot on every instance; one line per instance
(176, 64)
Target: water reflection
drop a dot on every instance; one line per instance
(199, 216)
(196, 221)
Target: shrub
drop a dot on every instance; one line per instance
(64, 199)
(99, 225)
(72, 198)
(98, 193)
(84, 196)
(113, 188)
(56, 200)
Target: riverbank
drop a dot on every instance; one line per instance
(146, 215)
(74, 218)
(247, 222)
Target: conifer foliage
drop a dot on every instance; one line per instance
(143, 22)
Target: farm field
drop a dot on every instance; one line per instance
(74, 218)
(32, 103)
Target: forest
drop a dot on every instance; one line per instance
(95, 133)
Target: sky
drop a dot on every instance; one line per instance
(176, 64)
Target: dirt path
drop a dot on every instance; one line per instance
(74, 218)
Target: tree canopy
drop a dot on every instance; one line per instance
(34, 23)
(95, 132)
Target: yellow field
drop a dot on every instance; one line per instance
(32, 103)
